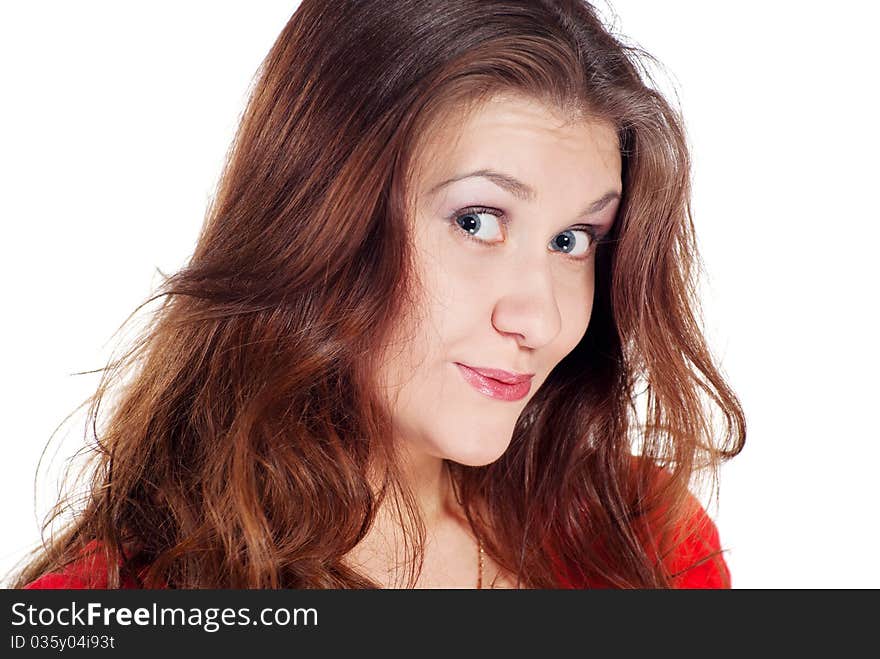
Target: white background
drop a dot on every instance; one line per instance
(115, 118)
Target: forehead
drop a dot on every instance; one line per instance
(528, 139)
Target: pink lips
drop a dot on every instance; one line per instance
(496, 383)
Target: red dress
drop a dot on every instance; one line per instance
(695, 561)
(90, 571)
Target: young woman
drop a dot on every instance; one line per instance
(439, 329)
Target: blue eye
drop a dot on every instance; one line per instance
(481, 225)
(475, 220)
(575, 246)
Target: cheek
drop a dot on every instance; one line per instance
(573, 331)
(450, 262)
(454, 282)
(410, 357)
(576, 308)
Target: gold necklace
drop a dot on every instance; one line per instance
(479, 564)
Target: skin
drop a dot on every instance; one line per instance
(517, 303)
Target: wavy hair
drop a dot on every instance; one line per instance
(241, 425)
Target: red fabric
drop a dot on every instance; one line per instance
(695, 562)
(88, 572)
(701, 540)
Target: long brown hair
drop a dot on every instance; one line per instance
(243, 419)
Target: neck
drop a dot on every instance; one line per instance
(427, 477)
(384, 545)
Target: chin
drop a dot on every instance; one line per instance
(476, 455)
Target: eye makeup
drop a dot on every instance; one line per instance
(596, 233)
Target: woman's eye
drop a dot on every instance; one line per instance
(574, 242)
(481, 224)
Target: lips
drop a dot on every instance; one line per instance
(502, 376)
(495, 388)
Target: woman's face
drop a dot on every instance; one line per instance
(507, 279)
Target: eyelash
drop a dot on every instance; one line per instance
(596, 238)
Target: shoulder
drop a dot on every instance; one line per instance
(698, 561)
(693, 557)
(690, 546)
(88, 571)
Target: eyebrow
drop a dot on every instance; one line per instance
(521, 190)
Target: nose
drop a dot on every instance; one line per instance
(528, 309)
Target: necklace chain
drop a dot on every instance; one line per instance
(479, 564)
